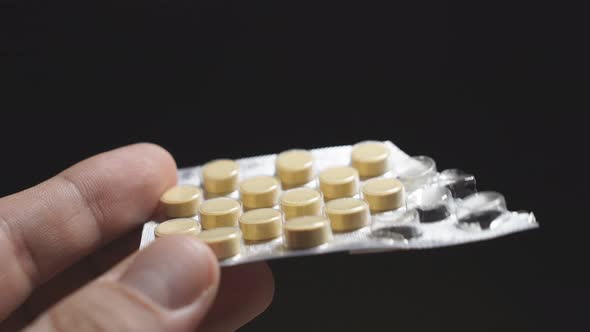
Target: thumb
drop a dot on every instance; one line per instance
(169, 286)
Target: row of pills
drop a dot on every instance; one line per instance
(295, 168)
(301, 220)
(346, 214)
(342, 215)
(382, 194)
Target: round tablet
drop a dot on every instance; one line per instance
(261, 224)
(348, 214)
(181, 201)
(306, 232)
(181, 226)
(384, 194)
(338, 182)
(370, 159)
(220, 212)
(294, 168)
(301, 202)
(224, 241)
(220, 176)
(259, 192)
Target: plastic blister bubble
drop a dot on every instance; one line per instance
(398, 225)
(432, 203)
(481, 211)
(461, 184)
(416, 172)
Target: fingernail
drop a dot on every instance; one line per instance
(173, 271)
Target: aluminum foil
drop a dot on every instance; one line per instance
(442, 209)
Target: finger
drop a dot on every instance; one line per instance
(245, 292)
(77, 276)
(169, 286)
(47, 228)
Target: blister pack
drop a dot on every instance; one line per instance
(365, 198)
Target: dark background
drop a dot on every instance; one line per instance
(489, 88)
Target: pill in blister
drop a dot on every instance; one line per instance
(220, 212)
(306, 232)
(181, 201)
(301, 202)
(261, 224)
(347, 214)
(370, 159)
(180, 226)
(383, 194)
(338, 182)
(224, 241)
(259, 192)
(220, 176)
(295, 168)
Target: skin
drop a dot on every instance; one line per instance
(68, 259)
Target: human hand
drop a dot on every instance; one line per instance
(68, 260)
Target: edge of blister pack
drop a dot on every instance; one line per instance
(468, 216)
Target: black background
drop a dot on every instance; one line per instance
(486, 87)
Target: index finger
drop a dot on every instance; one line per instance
(46, 228)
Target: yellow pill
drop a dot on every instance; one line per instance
(338, 182)
(180, 226)
(224, 241)
(220, 176)
(370, 159)
(295, 168)
(259, 192)
(307, 232)
(261, 224)
(348, 214)
(220, 212)
(301, 202)
(181, 201)
(384, 194)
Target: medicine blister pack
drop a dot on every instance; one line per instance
(365, 198)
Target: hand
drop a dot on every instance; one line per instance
(62, 249)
